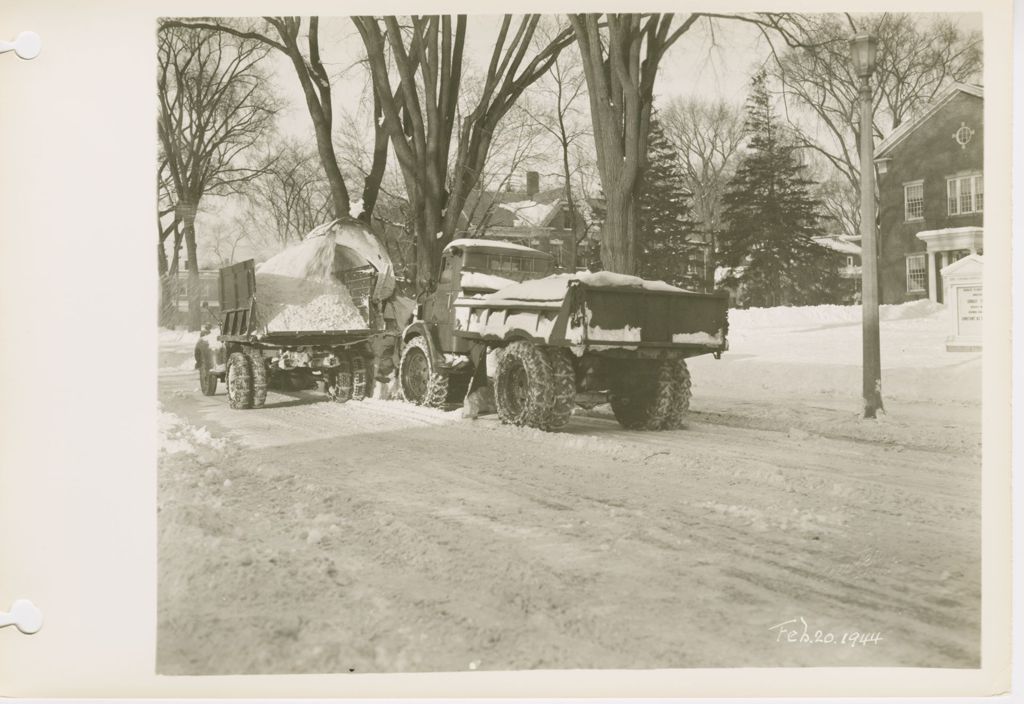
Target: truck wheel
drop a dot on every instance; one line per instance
(339, 383)
(679, 405)
(259, 378)
(563, 387)
(360, 377)
(207, 379)
(239, 381)
(420, 383)
(524, 386)
(647, 395)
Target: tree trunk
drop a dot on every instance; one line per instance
(618, 236)
(192, 285)
(166, 310)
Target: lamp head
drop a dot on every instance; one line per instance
(864, 52)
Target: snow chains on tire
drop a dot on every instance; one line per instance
(360, 376)
(436, 391)
(239, 378)
(563, 382)
(651, 395)
(259, 378)
(339, 384)
(533, 403)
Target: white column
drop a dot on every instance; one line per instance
(933, 279)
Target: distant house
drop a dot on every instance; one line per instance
(525, 215)
(849, 264)
(931, 194)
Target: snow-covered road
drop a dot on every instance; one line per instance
(377, 536)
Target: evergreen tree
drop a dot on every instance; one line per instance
(665, 227)
(770, 218)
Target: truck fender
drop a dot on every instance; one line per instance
(418, 328)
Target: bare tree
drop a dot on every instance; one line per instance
(293, 196)
(283, 34)
(213, 109)
(916, 61)
(708, 135)
(620, 61)
(562, 92)
(420, 116)
(516, 145)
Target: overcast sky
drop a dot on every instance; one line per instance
(713, 63)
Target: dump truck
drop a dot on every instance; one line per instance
(547, 341)
(249, 357)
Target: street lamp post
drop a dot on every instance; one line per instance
(863, 49)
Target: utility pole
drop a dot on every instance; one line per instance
(863, 50)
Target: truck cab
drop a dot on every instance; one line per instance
(473, 268)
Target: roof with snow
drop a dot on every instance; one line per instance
(494, 245)
(901, 132)
(838, 243)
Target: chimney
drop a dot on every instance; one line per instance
(532, 183)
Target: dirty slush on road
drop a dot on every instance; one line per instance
(386, 537)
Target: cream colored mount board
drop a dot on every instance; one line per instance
(23, 615)
(77, 202)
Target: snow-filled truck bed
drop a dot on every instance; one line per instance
(598, 312)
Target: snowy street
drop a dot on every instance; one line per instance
(378, 536)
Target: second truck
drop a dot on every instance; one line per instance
(546, 342)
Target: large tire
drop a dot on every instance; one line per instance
(259, 377)
(679, 378)
(524, 387)
(650, 395)
(205, 359)
(207, 379)
(338, 384)
(360, 377)
(239, 381)
(420, 382)
(563, 378)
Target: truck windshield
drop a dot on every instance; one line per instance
(505, 264)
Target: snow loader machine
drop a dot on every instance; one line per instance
(546, 342)
(249, 358)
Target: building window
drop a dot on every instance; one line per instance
(917, 273)
(913, 200)
(965, 194)
(849, 262)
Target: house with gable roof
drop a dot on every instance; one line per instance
(931, 194)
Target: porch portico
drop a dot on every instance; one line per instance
(946, 246)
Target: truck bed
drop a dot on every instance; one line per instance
(601, 318)
(240, 318)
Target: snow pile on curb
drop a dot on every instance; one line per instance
(817, 351)
(792, 317)
(177, 437)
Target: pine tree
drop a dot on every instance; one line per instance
(665, 228)
(770, 218)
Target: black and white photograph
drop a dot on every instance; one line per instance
(516, 350)
(569, 342)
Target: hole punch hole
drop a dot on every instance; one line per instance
(26, 45)
(24, 615)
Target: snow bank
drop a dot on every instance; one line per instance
(177, 437)
(817, 351)
(791, 317)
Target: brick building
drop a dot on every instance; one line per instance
(931, 195)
